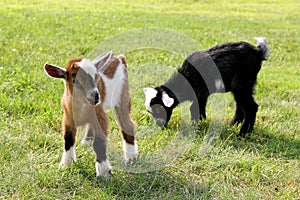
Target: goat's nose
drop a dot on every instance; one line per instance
(161, 122)
(94, 96)
(97, 96)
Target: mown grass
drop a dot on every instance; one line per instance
(264, 165)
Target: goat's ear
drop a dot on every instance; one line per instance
(167, 100)
(55, 72)
(101, 61)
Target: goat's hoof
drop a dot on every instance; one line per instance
(235, 122)
(195, 122)
(232, 123)
(103, 169)
(66, 163)
(105, 177)
(241, 135)
(130, 153)
(68, 158)
(132, 160)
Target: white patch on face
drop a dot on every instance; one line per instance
(219, 85)
(130, 152)
(68, 157)
(114, 87)
(88, 67)
(103, 169)
(150, 93)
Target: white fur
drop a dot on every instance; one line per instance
(103, 169)
(130, 152)
(88, 67)
(114, 87)
(219, 85)
(68, 157)
(150, 94)
(168, 101)
(260, 40)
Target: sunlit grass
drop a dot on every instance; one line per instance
(264, 165)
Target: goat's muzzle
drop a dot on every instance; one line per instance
(161, 122)
(93, 97)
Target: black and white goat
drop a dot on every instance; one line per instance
(228, 67)
(91, 87)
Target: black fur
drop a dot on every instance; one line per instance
(237, 65)
(69, 139)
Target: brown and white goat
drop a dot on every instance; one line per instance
(91, 87)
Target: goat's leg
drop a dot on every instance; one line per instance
(69, 131)
(103, 168)
(100, 128)
(202, 106)
(126, 127)
(88, 136)
(239, 115)
(197, 109)
(250, 108)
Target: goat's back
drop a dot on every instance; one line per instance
(235, 60)
(114, 77)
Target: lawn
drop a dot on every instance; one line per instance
(155, 36)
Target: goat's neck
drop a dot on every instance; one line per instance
(180, 87)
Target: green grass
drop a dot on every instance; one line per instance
(264, 165)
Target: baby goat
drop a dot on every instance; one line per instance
(227, 67)
(91, 87)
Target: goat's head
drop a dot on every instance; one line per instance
(159, 104)
(81, 80)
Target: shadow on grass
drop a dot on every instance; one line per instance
(173, 183)
(161, 184)
(167, 183)
(264, 142)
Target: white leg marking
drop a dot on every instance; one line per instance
(103, 169)
(130, 152)
(68, 157)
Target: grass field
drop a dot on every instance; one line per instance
(265, 165)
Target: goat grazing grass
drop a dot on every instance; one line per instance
(264, 165)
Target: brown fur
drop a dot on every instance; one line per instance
(123, 60)
(73, 68)
(113, 65)
(101, 88)
(123, 111)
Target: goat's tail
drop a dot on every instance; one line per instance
(262, 45)
(123, 60)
